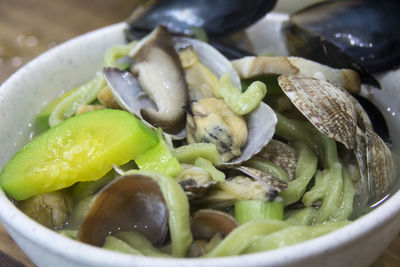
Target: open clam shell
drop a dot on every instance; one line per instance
(282, 155)
(326, 106)
(261, 124)
(132, 202)
(206, 223)
(210, 57)
(377, 169)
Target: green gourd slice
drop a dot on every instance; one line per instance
(82, 148)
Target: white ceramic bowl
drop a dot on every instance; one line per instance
(26, 92)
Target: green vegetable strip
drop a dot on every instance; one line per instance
(240, 103)
(139, 243)
(268, 167)
(206, 165)
(291, 235)
(244, 235)
(253, 210)
(305, 169)
(73, 234)
(118, 245)
(346, 204)
(84, 94)
(328, 148)
(159, 159)
(79, 212)
(116, 52)
(82, 190)
(189, 153)
(332, 198)
(87, 92)
(318, 191)
(294, 130)
(304, 216)
(178, 211)
(271, 81)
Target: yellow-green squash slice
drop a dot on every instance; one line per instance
(82, 148)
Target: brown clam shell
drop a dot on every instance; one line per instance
(206, 223)
(326, 106)
(132, 202)
(282, 155)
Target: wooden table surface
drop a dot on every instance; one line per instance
(30, 27)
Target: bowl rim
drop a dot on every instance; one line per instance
(79, 252)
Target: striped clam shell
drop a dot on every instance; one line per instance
(374, 158)
(326, 106)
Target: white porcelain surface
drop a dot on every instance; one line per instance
(68, 65)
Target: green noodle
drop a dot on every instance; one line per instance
(268, 167)
(332, 198)
(291, 235)
(118, 245)
(87, 92)
(318, 191)
(139, 243)
(240, 103)
(305, 169)
(241, 237)
(345, 208)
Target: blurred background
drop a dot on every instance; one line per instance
(30, 27)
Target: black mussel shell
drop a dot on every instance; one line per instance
(357, 34)
(217, 18)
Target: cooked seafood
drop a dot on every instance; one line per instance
(347, 34)
(223, 173)
(184, 16)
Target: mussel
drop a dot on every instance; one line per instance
(356, 34)
(216, 18)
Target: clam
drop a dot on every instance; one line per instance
(158, 94)
(273, 185)
(49, 209)
(282, 155)
(132, 202)
(214, 122)
(209, 227)
(260, 122)
(338, 115)
(347, 34)
(326, 106)
(195, 181)
(245, 188)
(206, 223)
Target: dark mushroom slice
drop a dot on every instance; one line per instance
(132, 202)
(157, 90)
(206, 223)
